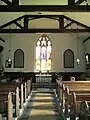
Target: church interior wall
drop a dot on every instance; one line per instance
(60, 43)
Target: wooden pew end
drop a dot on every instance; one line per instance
(0, 117)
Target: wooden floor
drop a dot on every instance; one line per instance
(41, 106)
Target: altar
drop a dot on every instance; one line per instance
(43, 78)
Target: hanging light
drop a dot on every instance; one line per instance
(9, 61)
(78, 59)
(87, 58)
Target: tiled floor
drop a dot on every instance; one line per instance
(41, 106)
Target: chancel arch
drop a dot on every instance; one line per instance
(43, 54)
(19, 58)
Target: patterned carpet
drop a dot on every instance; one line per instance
(41, 106)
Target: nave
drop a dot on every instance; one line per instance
(40, 105)
(25, 99)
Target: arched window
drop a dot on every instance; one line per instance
(18, 59)
(68, 59)
(43, 54)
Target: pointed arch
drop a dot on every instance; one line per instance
(19, 58)
(68, 59)
(43, 53)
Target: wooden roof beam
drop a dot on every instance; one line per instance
(44, 30)
(2, 39)
(7, 2)
(86, 39)
(44, 8)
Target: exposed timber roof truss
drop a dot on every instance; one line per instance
(72, 6)
(13, 2)
(23, 25)
(85, 40)
(76, 2)
(1, 39)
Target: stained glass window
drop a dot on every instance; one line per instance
(43, 54)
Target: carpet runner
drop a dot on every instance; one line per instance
(41, 106)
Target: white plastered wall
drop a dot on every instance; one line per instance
(87, 46)
(60, 43)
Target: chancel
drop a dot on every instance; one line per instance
(44, 60)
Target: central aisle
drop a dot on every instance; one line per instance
(43, 108)
(40, 106)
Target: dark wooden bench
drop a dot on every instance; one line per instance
(4, 90)
(79, 106)
(79, 89)
(19, 91)
(78, 94)
(6, 106)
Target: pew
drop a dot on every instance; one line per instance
(80, 93)
(0, 117)
(23, 92)
(79, 87)
(15, 97)
(78, 108)
(19, 91)
(6, 102)
(78, 90)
